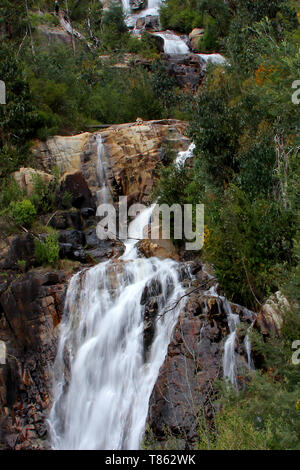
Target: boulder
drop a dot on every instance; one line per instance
(194, 37)
(61, 151)
(76, 185)
(25, 178)
(150, 23)
(269, 319)
(187, 69)
(158, 248)
(53, 35)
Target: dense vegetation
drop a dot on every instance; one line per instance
(246, 168)
(246, 171)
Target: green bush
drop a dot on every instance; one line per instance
(22, 212)
(47, 252)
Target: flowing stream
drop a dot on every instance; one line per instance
(102, 381)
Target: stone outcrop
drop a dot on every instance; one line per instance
(25, 178)
(131, 155)
(270, 319)
(61, 151)
(31, 307)
(185, 385)
(158, 248)
(187, 69)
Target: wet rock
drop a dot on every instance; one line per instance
(132, 153)
(187, 69)
(105, 249)
(185, 385)
(151, 23)
(137, 4)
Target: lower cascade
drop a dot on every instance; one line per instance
(104, 374)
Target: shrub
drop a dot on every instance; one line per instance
(47, 252)
(22, 212)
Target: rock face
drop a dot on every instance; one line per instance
(61, 151)
(31, 307)
(131, 154)
(25, 178)
(53, 35)
(184, 387)
(187, 69)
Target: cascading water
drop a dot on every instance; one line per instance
(102, 383)
(229, 357)
(132, 17)
(103, 195)
(173, 44)
(184, 155)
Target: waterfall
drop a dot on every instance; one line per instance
(229, 357)
(131, 18)
(103, 195)
(184, 155)
(213, 58)
(103, 382)
(173, 44)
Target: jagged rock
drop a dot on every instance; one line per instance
(187, 69)
(158, 248)
(137, 4)
(25, 178)
(184, 387)
(151, 23)
(61, 151)
(31, 306)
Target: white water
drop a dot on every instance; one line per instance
(103, 195)
(213, 58)
(131, 18)
(101, 399)
(173, 44)
(184, 155)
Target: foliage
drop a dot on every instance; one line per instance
(180, 15)
(22, 212)
(47, 252)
